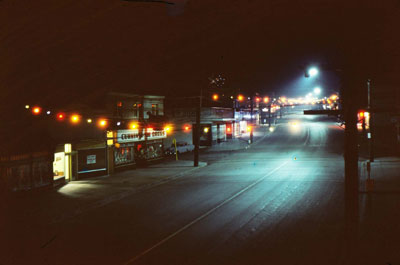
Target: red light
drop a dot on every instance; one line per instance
(60, 116)
(215, 97)
(139, 146)
(361, 114)
(240, 97)
(36, 110)
(258, 99)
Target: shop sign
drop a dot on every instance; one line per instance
(91, 159)
(124, 136)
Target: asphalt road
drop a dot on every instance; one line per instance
(279, 201)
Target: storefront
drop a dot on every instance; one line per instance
(134, 147)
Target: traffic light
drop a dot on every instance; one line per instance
(186, 128)
(361, 118)
(215, 97)
(240, 98)
(266, 99)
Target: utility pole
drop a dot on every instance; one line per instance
(371, 124)
(269, 115)
(350, 108)
(251, 120)
(197, 132)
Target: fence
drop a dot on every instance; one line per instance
(26, 172)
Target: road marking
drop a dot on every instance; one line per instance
(204, 215)
(308, 136)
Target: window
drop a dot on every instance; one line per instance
(135, 111)
(154, 109)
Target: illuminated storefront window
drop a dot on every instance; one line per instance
(124, 155)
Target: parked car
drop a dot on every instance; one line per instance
(181, 147)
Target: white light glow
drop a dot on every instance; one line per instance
(317, 90)
(313, 71)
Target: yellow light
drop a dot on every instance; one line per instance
(89, 120)
(215, 97)
(167, 129)
(132, 125)
(240, 97)
(206, 129)
(266, 99)
(27, 106)
(249, 128)
(149, 129)
(102, 123)
(334, 97)
(67, 148)
(36, 110)
(110, 138)
(75, 118)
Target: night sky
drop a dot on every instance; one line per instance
(57, 52)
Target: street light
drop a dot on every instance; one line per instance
(312, 71)
(317, 90)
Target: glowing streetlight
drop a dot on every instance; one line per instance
(102, 123)
(312, 71)
(317, 90)
(36, 110)
(75, 118)
(240, 97)
(133, 125)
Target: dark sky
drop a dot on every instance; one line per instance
(55, 52)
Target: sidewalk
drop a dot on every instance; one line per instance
(379, 214)
(385, 175)
(76, 197)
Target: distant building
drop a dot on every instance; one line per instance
(132, 132)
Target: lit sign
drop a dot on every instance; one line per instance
(124, 136)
